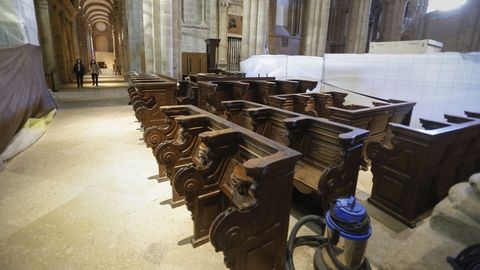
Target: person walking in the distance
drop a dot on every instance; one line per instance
(95, 71)
(79, 71)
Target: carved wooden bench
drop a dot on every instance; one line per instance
(133, 94)
(261, 89)
(232, 188)
(300, 103)
(420, 166)
(304, 85)
(173, 154)
(187, 93)
(375, 119)
(331, 151)
(160, 93)
(211, 93)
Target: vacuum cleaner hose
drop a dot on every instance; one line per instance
(310, 240)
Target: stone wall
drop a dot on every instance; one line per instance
(457, 29)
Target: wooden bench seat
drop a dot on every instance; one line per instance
(375, 119)
(418, 168)
(163, 93)
(173, 154)
(300, 103)
(212, 92)
(330, 151)
(232, 185)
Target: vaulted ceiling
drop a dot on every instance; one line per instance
(97, 10)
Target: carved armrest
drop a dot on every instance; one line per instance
(472, 114)
(168, 152)
(431, 124)
(377, 152)
(155, 135)
(140, 101)
(213, 150)
(456, 119)
(131, 89)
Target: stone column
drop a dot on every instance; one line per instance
(166, 33)
(45, 33)
(163, 36)
(255, 27)
(223, 35)
(357, 34)
(213, 19)
(81, 35)
(148, 35)
(177, 39)
(391, 28)
(136, 49)
(315, 27)
(57, 37)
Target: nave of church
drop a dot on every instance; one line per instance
(87, 196)
(239, 134)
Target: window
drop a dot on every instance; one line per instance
(444, 5)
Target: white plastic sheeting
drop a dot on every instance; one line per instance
(284, 67)
(33, 129)
(440, 83)
(17, 23)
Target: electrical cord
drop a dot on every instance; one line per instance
(310, 240)
(468, 259)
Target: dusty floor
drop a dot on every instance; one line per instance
(86, 196)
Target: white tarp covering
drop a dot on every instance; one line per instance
(283, 67)
(18, 25)
(441, 83)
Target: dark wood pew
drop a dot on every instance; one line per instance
(240, 204)
(472, 114)
(257, 90)
(331, 151)
(132, 91)
(261, 89)
(418, 168)
(431, 124)
(171, 155)
(300, 103)
(286, 87)
(188, 93)
(163, 93)
(304, 85)
(232, 188)
(211, 93)
(375, 119)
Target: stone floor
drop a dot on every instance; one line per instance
(86, 196)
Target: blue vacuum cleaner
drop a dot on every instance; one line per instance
(343, 241)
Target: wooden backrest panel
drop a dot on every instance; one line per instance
(421, 165)
(324, 145)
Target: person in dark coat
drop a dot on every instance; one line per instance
(79, 71)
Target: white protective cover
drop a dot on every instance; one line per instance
(284, 67)
(441, 83)
(18, 25)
